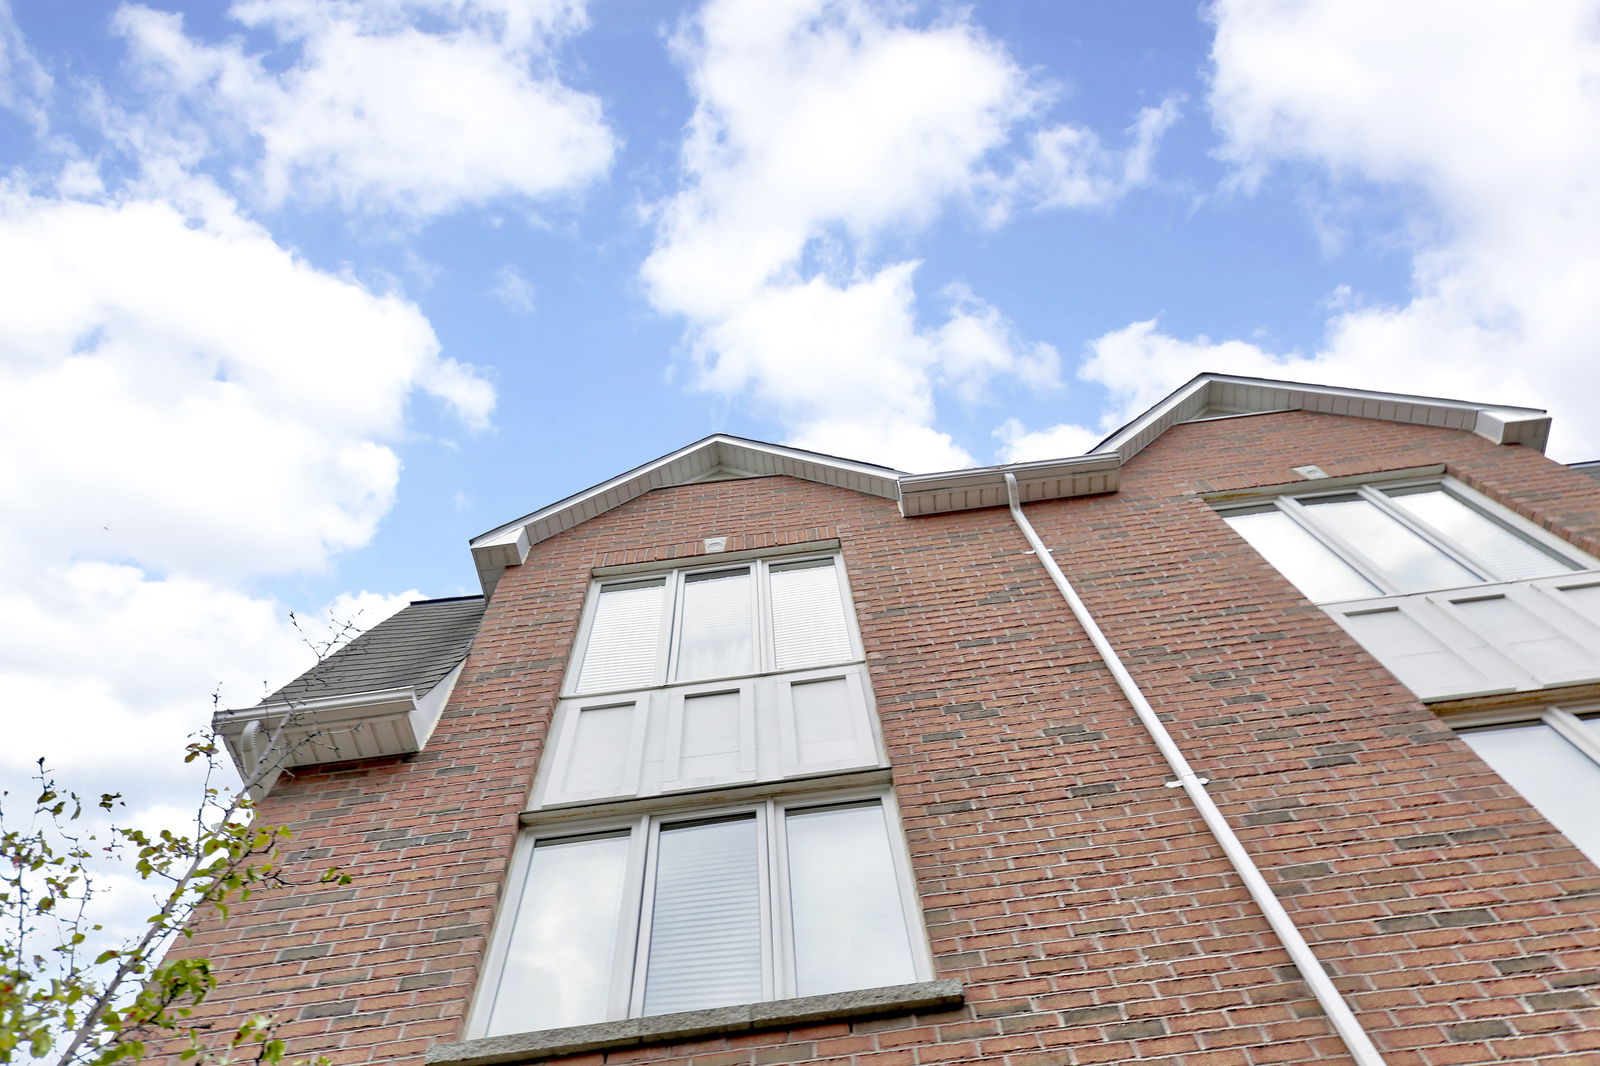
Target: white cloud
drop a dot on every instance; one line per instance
(1488, 111)
(822, 129)
(1020, 445)
(24, 83)
(185, 408)
(1068, 166)
(514, 291)
(211, 403)
(375, 114)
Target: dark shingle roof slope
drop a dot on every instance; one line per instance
(412, 649)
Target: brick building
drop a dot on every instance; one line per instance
(1282, 750)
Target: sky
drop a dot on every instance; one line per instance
(297, 296)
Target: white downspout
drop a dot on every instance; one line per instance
(1344, 1021)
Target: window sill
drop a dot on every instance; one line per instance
(662, 1028)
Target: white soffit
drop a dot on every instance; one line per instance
(715, 458)
(966, 490)
(1216, 395)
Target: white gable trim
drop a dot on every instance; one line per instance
(717, 456)
(1207, 396)
(1210, 395)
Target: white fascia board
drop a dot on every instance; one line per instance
(508, 545)
(1050, 479)
(1503, 425)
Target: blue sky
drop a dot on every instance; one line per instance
(298, 296)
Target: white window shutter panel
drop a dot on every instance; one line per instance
(624, 636)
(1534, 639)
(809, 625)
(1432, 660)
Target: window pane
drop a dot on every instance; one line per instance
(623, 638)
(849, 924)
(808, 618)
(1410, 563)
(1559, 780)
(559, 963)
(710, 744)
(1300, 557)
(1508, 556)
(705, 927)
(716, 639)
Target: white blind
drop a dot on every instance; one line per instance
(717, 634)
(705, 927)
(849, 923)
(809, 627)
(623, 638)
(1506, 555)
(559, 963)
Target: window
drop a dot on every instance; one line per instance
(736, 677)
(1380, 540)
(702, 909)
(1554, 761)
(712, 676)
(1454, 594)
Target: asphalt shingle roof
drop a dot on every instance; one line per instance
(412, 649)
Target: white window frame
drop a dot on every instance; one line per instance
(768, 748)
(630, 961)
(1375, 490)
(664, 670)
(1566, 720)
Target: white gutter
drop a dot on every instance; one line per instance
(1344, 1020)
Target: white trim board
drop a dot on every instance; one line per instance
(721, 456)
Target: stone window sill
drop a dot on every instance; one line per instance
(662, 1028)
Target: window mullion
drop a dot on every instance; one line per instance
(1572, 730)
(782, 956)
(1429, 535)
(672, 630)
(766, 652)
(650, 829)
(771, 985)
(1347, 552)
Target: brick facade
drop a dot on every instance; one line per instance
(1082, 902)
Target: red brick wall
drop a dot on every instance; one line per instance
(1089, 913)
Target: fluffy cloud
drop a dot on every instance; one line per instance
(187, 408)
(373, 113)
(1488, 112)
(822, 128)
(212, 403)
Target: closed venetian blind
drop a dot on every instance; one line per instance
(705, 926)
(623, 638)
(717, 638)
(1506, 555)
(809, 627)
